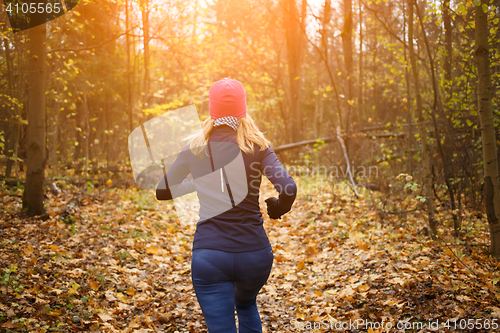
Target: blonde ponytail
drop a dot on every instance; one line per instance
(247, 136)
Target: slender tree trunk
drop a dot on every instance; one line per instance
(12, 144)
(491, 180)
(53, 135)
(408, 101)
(351, 116)
(426, 167)
(360, 79)
(317, 104)
(448, 76)
(448, 174)
(293, 42)
(374, 100)
(447, 44)
(106, 126)
(14, 112)
(146, 38)
(129, 70)
(136, 81)
(35, 141)
(347, 48)
(323, 52)
(86, 127)
(11, 137)
(80, 132)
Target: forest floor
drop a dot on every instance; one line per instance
(120, 262)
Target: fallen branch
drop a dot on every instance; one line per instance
(303, 143)
(334, 138)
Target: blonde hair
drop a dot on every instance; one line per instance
(247, 135)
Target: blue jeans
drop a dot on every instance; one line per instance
(225, 280)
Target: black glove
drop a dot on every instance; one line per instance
(273, 209)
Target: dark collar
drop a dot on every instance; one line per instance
(224, 127)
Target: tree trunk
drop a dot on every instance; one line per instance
(86, 127)
(426, 167)
(129, 70)
(145, 31)
(408, 100)
(484, 93)
(318, 104)
(12, 146)
(15, 112)
(294, 47)
(361, 110)
(35, 140)
(347, 48)
(323, 48)
(448, 173)
(447, 44)
(80, 146)
(53, 135)
(323, 52)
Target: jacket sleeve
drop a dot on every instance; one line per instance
(172, 184)
(279, 177)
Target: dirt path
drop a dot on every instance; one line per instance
(121, 262)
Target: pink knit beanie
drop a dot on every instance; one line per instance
(227, 97)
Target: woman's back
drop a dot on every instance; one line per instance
(227, 182)
(241, 227)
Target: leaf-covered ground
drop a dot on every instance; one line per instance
(120, 262)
